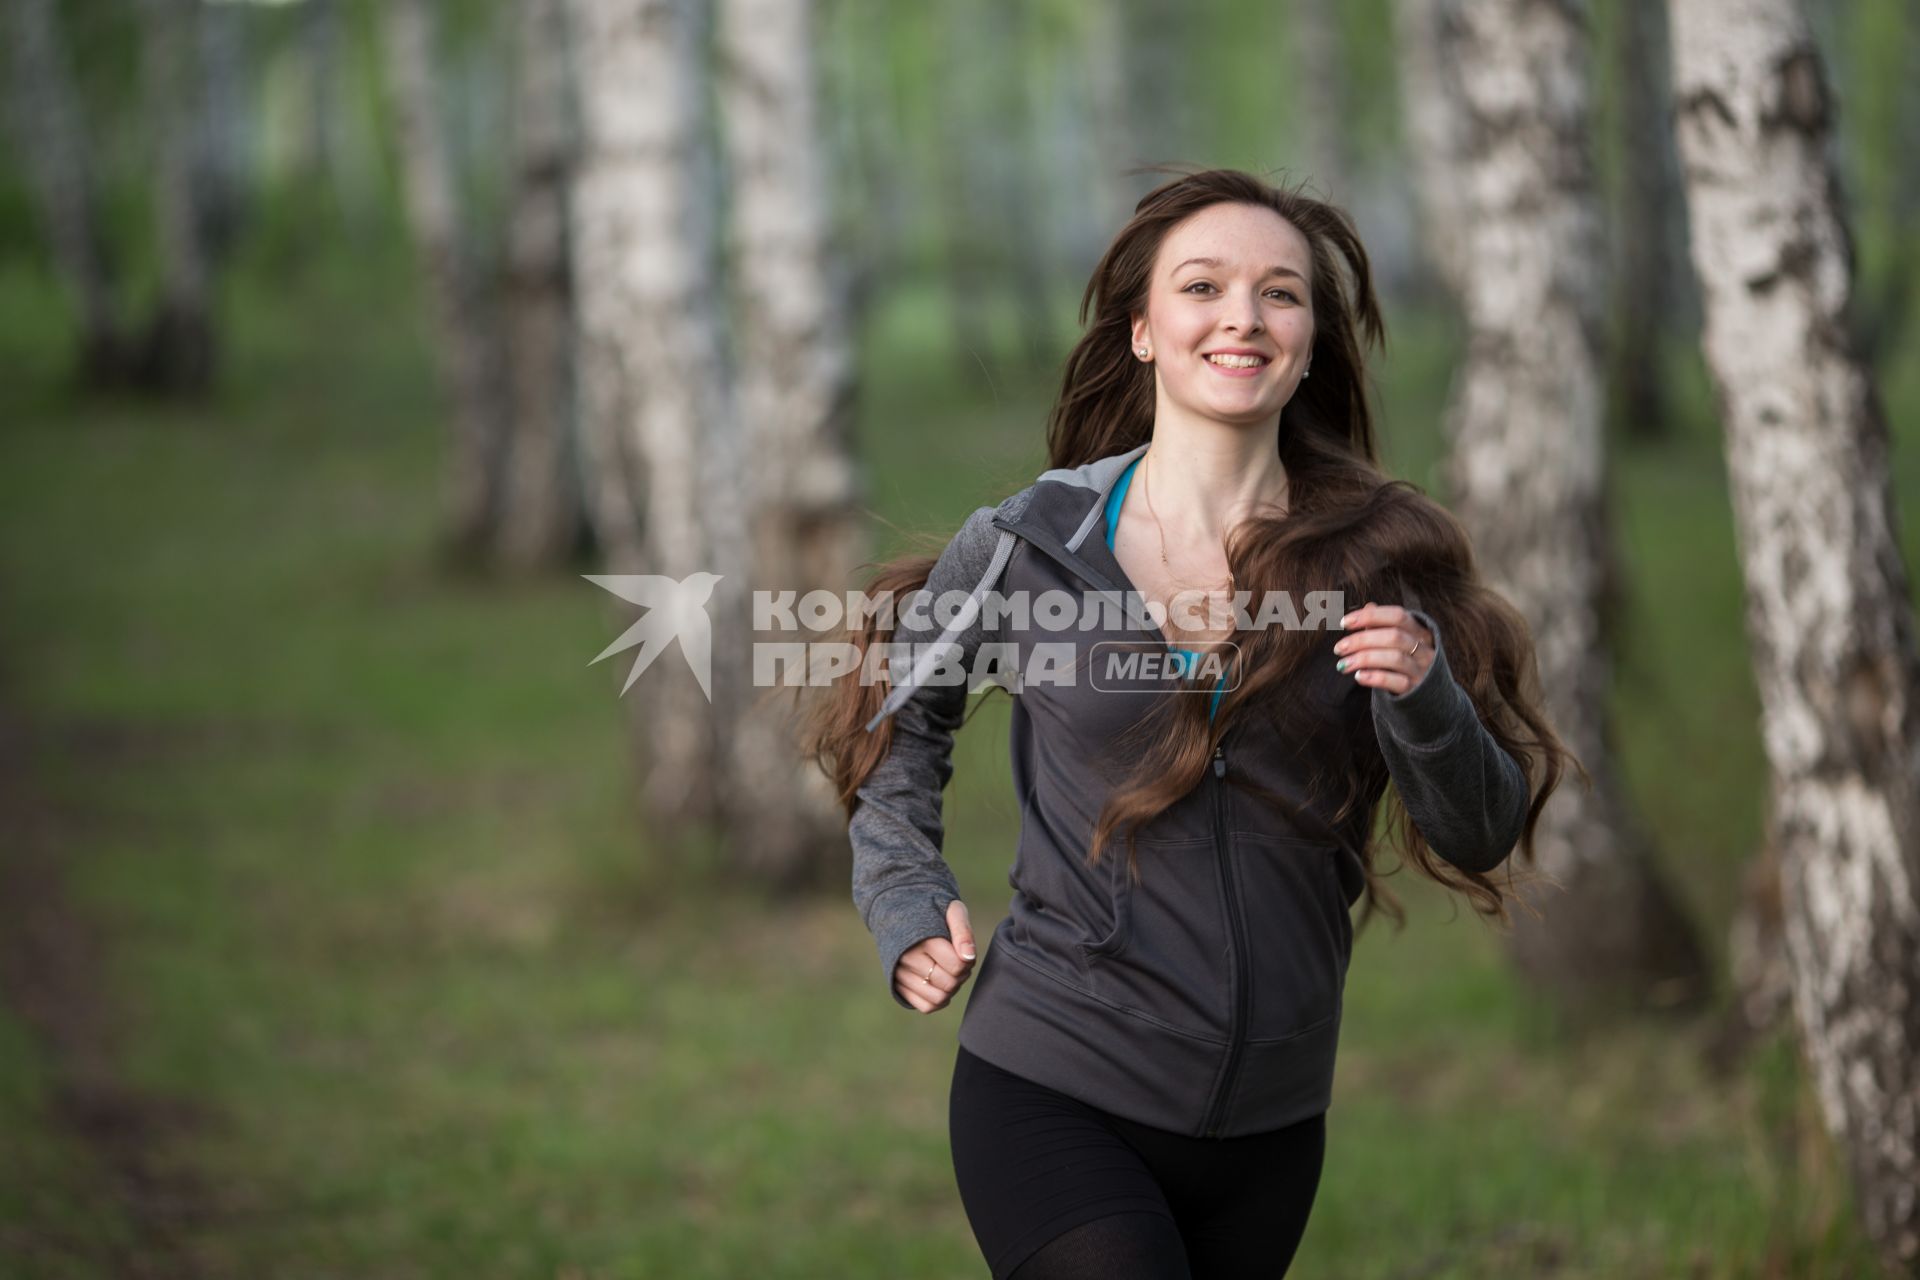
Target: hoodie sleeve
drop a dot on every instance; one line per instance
(902, 884)
(1466, 794)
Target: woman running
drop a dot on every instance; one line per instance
(1144, 1069)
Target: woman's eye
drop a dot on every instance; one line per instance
(1202, 284)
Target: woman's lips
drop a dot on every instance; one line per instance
(1250, 372)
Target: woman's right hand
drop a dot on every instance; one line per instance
(950, 964)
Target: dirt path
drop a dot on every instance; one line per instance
(53, 978)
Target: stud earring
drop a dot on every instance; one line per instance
(1141, 352)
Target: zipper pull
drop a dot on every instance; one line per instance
(1220, 761)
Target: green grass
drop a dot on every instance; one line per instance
(361, 842)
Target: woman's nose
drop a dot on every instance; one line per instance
(1245, 316)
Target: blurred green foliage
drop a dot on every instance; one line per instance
(359, 841)
(360, 844)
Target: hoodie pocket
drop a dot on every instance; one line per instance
(1113, 940)
(1298, 931)
(1163, 952)
(1060, 904)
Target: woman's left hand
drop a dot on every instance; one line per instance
(1377, 654)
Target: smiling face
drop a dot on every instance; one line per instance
(1248, 294)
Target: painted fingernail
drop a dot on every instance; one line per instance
(1340, 665)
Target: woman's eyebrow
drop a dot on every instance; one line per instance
(1271, 271)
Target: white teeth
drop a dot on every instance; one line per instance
(1238, 362)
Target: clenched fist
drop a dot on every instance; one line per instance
(933, 969)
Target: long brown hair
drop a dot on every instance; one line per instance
(1348, 526)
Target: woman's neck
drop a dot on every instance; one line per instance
(1206, 478)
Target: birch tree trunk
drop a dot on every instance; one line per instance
(468, 361)
(656, 392)
(1829, 614)
(51, 136)
(540, 492)
(795, 383)
(179, 351)
(1527, 477)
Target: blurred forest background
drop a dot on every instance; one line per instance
(351, 925)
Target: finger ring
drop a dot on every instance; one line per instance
(1416, 645)
(929, 978)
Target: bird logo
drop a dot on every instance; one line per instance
(674, 611)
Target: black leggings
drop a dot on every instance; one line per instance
(1056, 1189)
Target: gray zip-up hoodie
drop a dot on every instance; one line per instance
(1205, 999)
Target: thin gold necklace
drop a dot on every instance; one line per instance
(1146, 490)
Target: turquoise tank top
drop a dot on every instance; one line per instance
(1114, 502)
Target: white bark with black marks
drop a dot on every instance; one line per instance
(1829, 610)
(656, 393)
(1527, 476)
(795, 391)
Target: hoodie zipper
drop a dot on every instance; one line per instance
(1236, 1040)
